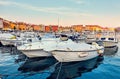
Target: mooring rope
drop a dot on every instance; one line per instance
(59, 71)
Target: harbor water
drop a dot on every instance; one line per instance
(15, 65)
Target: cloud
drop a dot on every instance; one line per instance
(5, 2)
(54, 10)
(78, 1)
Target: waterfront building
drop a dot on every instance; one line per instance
(93, 28)
(77, 28)
(54, 28)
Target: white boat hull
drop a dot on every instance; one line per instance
(63, 56)
(36, 53)
(109, 44)
(5, 42)
(90, 40)
(8, 42)
(111, 50)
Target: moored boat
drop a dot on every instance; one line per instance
(77, 52)
(108, 41)
(34, 49)
(7, 38)
(110, 45)
(22, 38)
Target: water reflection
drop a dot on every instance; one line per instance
(10, 50)
(75, 69)
(68, 70)
(37, 64)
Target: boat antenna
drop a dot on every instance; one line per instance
(58, 21)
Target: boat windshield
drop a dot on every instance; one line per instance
(29, 40)
(103, 38)
(110, 38)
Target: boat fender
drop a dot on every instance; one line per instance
(99, 51)
(14, 37)
(82, 54)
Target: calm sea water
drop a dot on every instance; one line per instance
(18, 66)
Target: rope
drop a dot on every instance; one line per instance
(59, 71)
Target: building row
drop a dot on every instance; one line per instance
(9, 25)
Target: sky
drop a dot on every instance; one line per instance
(105, 13)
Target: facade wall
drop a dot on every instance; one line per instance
(22, 27)
(78, 28)
(36, 27)
(47, 29)
(54, 28)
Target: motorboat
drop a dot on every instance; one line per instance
(34, 49)
(40, 48)
(7, 38)
(49, 37)
(110, 44)
(22, 38)
(108, 41)
(70, 51)
(90, 38)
